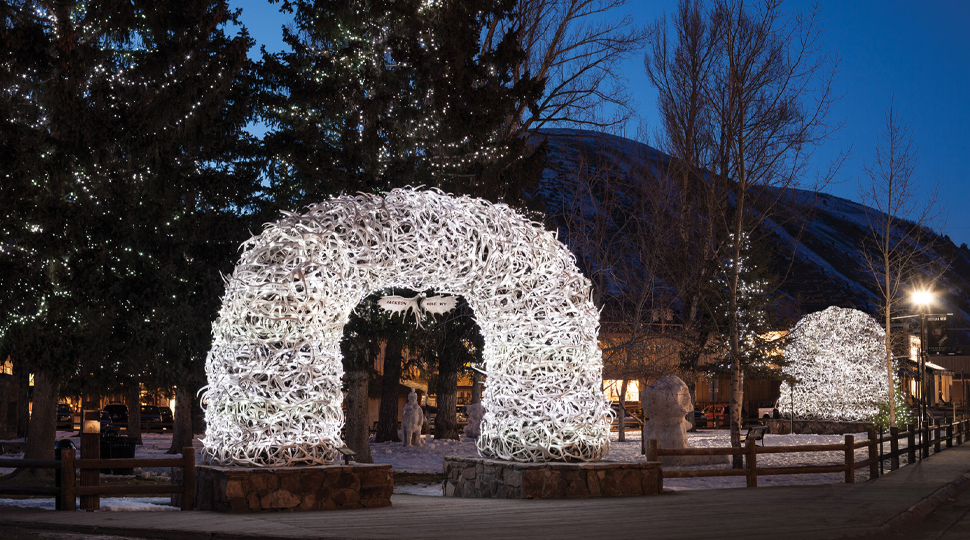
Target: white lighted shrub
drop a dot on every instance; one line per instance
(838, 358)
(274, 370)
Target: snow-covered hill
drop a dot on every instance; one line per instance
(828, 263)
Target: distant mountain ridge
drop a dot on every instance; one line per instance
(828, 267)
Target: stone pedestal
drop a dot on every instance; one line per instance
(494, 479)
(287, 489)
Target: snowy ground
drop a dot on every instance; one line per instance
(428, 459)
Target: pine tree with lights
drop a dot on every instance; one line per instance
(377, 95)
(125, 172)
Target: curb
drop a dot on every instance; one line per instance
(151, 534)
(925, 507)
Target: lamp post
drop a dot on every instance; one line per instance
(922, 298)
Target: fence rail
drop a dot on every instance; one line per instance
(953, 433)
(68, 489)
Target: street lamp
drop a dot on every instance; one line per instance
(922, 298)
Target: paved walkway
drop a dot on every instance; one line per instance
(878, 509)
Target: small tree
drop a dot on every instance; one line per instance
(898, 242)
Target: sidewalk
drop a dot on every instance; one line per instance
(832, 511)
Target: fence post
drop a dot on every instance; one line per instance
(849, 459)
(752, 463)
(874, 458)
(652, 450)
(937, 435)
(924, 441)
(68, 502)
(949, 434)
(893, 448)
(911, 442)
(188, 478)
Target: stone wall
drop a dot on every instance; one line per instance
(817, 427)
(494, 479)
(241, 489)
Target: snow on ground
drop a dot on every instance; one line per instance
(108, 504)
(428, 459)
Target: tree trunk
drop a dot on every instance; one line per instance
(42, 431)
(621, 424)
(358, 436)
(133, 400)
(446, 422)
(388, 417)
(476, 387)
(182, 428)
(737, 389)
(889, 343)
(23, 397)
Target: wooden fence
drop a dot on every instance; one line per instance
(66, 468)
(953, 433)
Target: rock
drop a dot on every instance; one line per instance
(280, 499)
(666, 403)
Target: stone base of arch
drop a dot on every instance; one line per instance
(292, 489)
(485, 478)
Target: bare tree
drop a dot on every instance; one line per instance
(611, 206)
(575, 47)
(771, 93)
(681, 67)
(898, 241)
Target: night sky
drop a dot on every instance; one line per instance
(915, 55)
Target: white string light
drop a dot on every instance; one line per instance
(838, 358)
(274, 370)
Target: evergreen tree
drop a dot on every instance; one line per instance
(381, 94)
(124, 179)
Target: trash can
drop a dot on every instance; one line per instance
(58, 446)
(115, 447)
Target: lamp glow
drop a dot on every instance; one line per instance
(274, 370)
(922, 297)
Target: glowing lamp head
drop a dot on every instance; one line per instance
(922, 298)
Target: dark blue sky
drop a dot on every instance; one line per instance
(913, 54)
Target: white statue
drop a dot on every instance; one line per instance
(475, 412)
(412, 420)
(666, 403)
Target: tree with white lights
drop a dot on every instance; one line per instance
(836, 359)
(122, 183)
(377, 95)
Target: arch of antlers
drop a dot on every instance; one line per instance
(274, 371)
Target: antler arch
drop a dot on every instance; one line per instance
(274, 370)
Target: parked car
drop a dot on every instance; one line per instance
(65, 417)
(151, 418)
(118, 412)
(167, 420)
(718, 415)
(107, 428)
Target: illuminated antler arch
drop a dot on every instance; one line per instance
(275, 368)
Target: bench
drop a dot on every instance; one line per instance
(755, 433)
